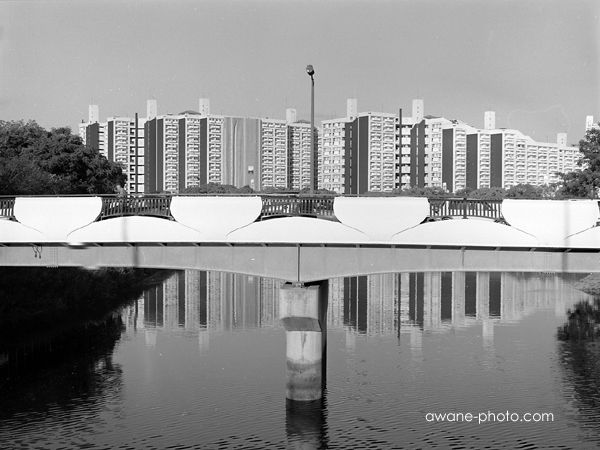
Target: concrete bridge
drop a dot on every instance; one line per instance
(301, 239)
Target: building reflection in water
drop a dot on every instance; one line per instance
(205, 302)
(404, 304)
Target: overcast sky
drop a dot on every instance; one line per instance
(535, 63)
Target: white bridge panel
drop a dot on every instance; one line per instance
(466, 232)
(56, 217)
(381, 217)
(216, 217)
(551, 221)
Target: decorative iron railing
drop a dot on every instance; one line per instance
(7, 208)
(278, 206)
(449, 208)
(148, 205)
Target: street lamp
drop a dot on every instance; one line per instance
(311, 181)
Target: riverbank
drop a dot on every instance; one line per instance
(590, 284)
(37, 302)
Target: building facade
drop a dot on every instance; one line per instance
(285, 153)
(274, 154)
(454, 156)
(365, 152)
(121, 140)
(359, 153)
(475, 159)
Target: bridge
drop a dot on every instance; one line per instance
(301, 238)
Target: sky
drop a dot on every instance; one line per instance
(536, 63)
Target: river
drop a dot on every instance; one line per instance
(419, 360)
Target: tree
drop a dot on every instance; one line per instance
(464, 192)
(584, 182)
(524, 191)
(34, 161)
(318, 191)
(428, 191)
(491, 193)
(215, 188)
(21, 175)
(16, 136)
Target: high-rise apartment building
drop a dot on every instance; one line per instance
(333, 153)
(517, 158)
(194, 148)
(172, 152)
(125, 145)
(362, 152)
(365, 152)
(285, 152)
(273, 153)
(453, 155)
(372, 153)
(299, 140)
(121, 140)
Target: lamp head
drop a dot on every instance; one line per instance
(310, 70)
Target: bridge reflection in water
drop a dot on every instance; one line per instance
(406, 307)
(400, 345)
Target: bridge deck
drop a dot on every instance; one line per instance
(304, 262)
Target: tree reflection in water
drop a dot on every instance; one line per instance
(579, 355)
(65, 375)
(583, 322)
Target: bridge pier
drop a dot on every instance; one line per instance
(303, 312)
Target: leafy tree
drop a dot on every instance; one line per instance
(551, 191)
(16, 136)
(464, 192)
(278, 190)
(585, 181)
(579, 183)
(491, 193)
(34, 161)
(20, 174)
(318, 191)
(215, 188)
(525, 191)
(392, 193)
(428, 191)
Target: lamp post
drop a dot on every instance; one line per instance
(311, 181)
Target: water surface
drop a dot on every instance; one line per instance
(199, 362)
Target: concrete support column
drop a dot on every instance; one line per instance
(303, 312)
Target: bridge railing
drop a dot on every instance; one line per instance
(277, 206)
(148, 205)
(447, 208)
(7, 208)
